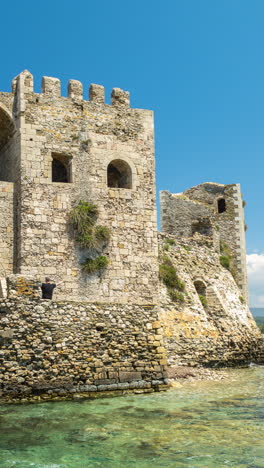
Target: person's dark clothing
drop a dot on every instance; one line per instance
(47, 290)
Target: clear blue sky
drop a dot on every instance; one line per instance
(197, 63)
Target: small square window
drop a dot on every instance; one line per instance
(61, 168)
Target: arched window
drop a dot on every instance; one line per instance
(61, 168)
(119, 174)
(221, 205)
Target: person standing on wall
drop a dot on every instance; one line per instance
(47, 288)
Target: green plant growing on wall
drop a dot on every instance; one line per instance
(92, 265)
(226, 259)
(168, 274)
(101, 234)
(168, 243)
(89, 236)
(176, 295)
(83, 216)
(203, 300)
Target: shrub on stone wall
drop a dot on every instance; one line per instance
(226, 259)
(203, 300)
(168, 243)
(176, 295)
(168, 274)
(95, 264)
(89, 236)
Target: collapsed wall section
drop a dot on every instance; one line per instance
(63, 348)
(209, 324)
(213, 210)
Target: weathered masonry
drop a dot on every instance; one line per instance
(56, 151)
(157, 299)
(62, 348)
(213, 210)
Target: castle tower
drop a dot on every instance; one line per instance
(56, 151)
(214, 210)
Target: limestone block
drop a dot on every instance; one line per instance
(129, 376)
(7, 333)
(120, 97)
(51, 86)
(96, 93)
(75, 89)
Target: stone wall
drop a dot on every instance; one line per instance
(10, 160)
(62, 348)
(219, 331)
(102, 332)
(6, 228)
(87, 136)
(197, 208)
(58, 349)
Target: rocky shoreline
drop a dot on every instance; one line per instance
(177, 377)
(181, 374)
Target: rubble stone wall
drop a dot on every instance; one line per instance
(61, 348)
(180, 212)
(220, 332)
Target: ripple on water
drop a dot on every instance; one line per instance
(199, 425)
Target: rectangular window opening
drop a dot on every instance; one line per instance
(61, 168)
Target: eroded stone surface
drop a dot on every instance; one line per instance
(114, 330)
(221, 333)
(47, 347)
(86, 136)
(213, 210)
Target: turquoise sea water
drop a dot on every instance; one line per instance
(199, 424)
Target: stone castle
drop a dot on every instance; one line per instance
(117, 328)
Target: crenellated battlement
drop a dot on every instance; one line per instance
(51, 87)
